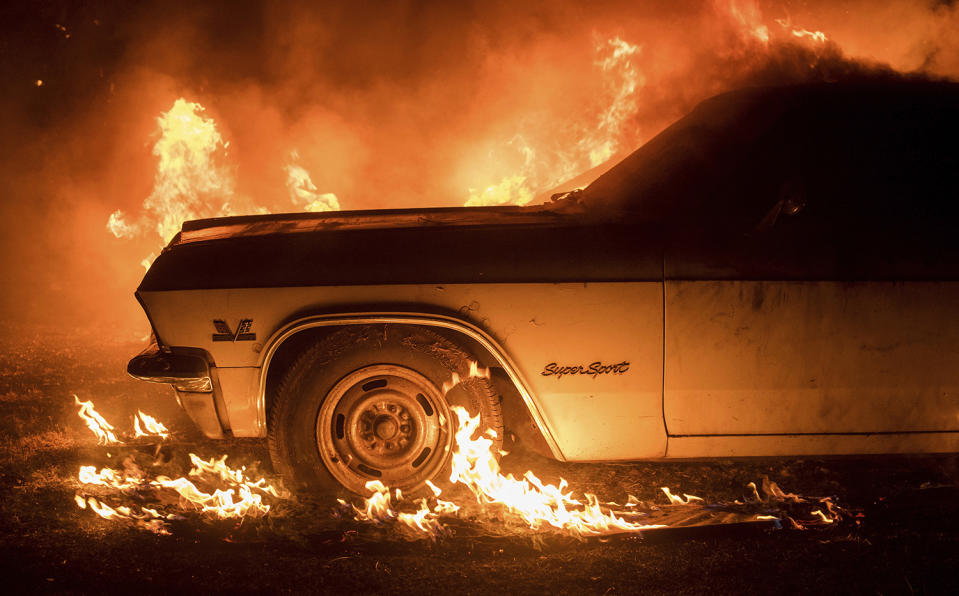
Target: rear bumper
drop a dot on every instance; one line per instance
(186, 372)
(192, 377)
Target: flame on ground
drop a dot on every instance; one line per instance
(146, 518)
(474, 465)
(378, 509)
(96, 423)
(677, 500)
(243, 497)
(538, 504)
(145, 425)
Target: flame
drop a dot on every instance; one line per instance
(150, 426)
(187, 175)
(109, 477)
(595, 141)
(189, 183)
(622, 81)
(304, 193)
(677, 500)
(96, 423)
(817, 36)
(822, 516)
(243, 496)
(147, 518)
(749, 17)
(511, 190)
(538, 504)
(475, 466)
(475, 371)
(378, 508)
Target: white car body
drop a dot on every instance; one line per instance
(646, 362)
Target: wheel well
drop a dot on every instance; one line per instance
(519, 424)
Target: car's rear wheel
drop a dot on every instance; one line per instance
(367, 403)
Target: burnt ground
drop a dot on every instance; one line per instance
(899, 532)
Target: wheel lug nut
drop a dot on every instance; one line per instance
(389, 445)
(404, 429)
(392, 408)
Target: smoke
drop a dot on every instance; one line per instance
(385, 104)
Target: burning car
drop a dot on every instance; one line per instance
(774, 274)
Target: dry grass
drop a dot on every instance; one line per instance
(907, 537)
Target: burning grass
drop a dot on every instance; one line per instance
(501, 505)
(899, 525)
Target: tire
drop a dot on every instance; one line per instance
(366, 403)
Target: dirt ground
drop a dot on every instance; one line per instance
(898, 532)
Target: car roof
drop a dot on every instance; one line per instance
(717, 127)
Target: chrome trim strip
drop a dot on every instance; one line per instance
(463, 327)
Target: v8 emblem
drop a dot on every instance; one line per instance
(224, 333)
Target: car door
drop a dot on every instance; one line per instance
(825, 303)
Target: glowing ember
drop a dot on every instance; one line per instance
(96, 423)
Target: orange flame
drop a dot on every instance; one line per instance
(677, 500)
(592, 144)
(817, 36)
(303, 193)
(150, 426)
(149, 519)
(242, 498)
(189, 182)
(96, 423)
(109, 477)
(538, 504)
(378, 508)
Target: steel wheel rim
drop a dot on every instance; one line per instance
(383, 422)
